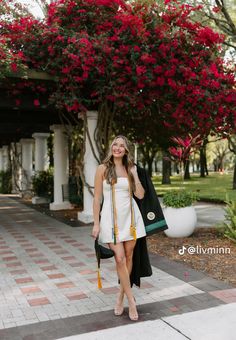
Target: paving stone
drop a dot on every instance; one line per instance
(76, 296)
(64, 287)
(55, 276)
(24, 280)
(67, 284)
(30, 290)
(39, 301)
(47, 268)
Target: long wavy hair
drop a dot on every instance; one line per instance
(127, 160)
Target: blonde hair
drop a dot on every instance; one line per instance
(127, 160)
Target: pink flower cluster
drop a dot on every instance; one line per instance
(134, 55)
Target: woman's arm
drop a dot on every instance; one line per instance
(139, 192)
(98, 192)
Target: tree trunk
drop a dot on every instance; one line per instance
(155, 165)
(215, 165)
(205, 162)
(221, 163)
(202, 162)
(166, 169)
(186, 170)
(176, 168)
(234, 177)
(150, 161)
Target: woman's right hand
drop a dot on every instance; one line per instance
(95, 231)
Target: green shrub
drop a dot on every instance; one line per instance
(5, 182)
(75, 191)
(42, 183)
(178, 199)
(230, 223)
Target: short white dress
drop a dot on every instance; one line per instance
(122, 199)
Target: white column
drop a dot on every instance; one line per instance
(60, 167)
(19, 164)
(5, 157)
(16, 167)
(90, 166)
(1, 159)
(27, 163)
(41, 157)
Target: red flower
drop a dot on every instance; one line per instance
(18, 102)
(66, 70)
(14, 67)
(158, 69)
(176, 152)
(160, 81)
(146, 58)
(140, 70)
(216, 9)
(36, 102)
(51, 50)
(137, 49)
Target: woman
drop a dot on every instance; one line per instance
(121, 222)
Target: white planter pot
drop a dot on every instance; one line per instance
(181, 221)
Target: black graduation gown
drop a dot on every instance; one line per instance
(149, 206)
(153, 219)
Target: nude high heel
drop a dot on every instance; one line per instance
(118, 311)
(135, 316)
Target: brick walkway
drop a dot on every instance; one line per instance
(48, 283)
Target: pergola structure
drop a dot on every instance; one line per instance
(23, 133)
(24, 130)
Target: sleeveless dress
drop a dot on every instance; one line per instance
(122, 200)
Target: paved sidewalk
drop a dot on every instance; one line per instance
(178, 327)
(209, 214)
(48, 282)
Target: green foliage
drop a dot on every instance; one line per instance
(42, 183)
(5, 182)
(178, 199)
(75, 191)
(230, 223)
(212, 188)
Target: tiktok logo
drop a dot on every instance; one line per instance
(181, 250)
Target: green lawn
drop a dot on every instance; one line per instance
(212, 187)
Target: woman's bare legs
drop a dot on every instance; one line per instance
(129, 249)
(123, 257)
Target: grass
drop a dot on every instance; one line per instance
(214, 187)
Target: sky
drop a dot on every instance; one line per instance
(34, 8)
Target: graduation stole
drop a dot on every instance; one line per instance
(132, 222)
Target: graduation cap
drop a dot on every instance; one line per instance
(101, 253)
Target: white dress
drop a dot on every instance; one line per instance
(122, 199)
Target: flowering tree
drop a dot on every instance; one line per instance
(182, 150)
(11, 60)
(133, 58)
(221, 14)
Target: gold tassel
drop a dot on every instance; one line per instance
(133, 232)
(132, 226)
(116, 230)
(115, 233)
(99, 280)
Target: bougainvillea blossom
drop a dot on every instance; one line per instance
(133, 56)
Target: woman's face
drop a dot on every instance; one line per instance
(118, 148)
